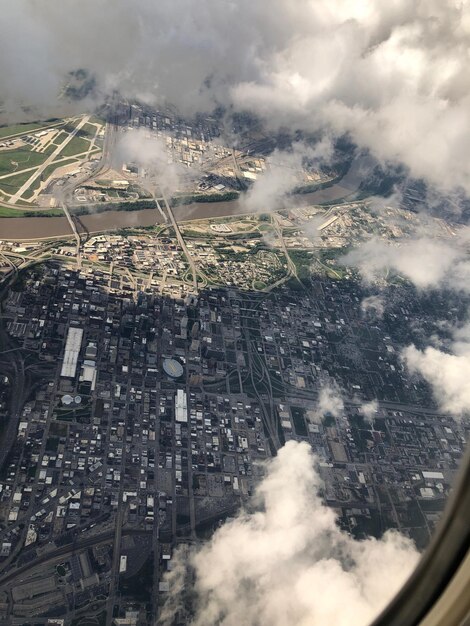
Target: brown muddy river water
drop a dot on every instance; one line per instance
(43, 227)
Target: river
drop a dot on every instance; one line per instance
(44, 227)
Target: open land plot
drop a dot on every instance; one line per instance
(13, 161)
(18, 166)
(6, 212)
(95, 119)
(77, 145)
(60, 138)
(88, 131)
(11, 184)
(50, 169)
(19, 129)
(29, 193)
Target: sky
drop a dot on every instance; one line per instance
(393, 75)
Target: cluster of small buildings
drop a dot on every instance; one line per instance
(135, 253)
(245, 264)
(153, 415)
(111, 429)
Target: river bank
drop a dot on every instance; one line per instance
(27, 228)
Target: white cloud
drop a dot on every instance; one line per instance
(447, 372)
(425, 262)
(282, 173)
(148, 151)
(374, 305)
(287, 562)
(330, 401)
(369, 410)
(392, 74)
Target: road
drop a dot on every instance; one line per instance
(66, 550)
(48, 161)
(278, 228)
(78, 253)
(12, 365)
(114, 581)
(104, 164)
(182, 243)
(65, 193)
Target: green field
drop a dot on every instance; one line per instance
(13, 183)
(87, 131)
(76, 146)
(6, 212)
(18, 129)
(32, 188)
(24, 157)
(95, 119)
(60, 138)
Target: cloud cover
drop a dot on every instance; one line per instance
(427, 263)
(394, 75)
(447, 372)
(330, 402)
(369, 410)
(287, 562)
(148, 151)
(281, 175)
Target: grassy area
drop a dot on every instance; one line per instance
(13, 183)
(87, 131)
(60, 138)
(29, 193)
(181, 200)
(95, 119)
(334, 271)
(20, 159)
(50, 169)
(137, 205)
(18, 129)
(15, 130)
(302, 260)
(6, 212)
(76, 146)
(195, 234)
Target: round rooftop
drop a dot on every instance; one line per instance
(173, 368)
(67, 399)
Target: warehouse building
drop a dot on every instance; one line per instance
(72, 350)
(181, 406)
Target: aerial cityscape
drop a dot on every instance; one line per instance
(234, 346)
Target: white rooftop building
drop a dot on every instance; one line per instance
(72, 350)
(433, 475)
(181, 406)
